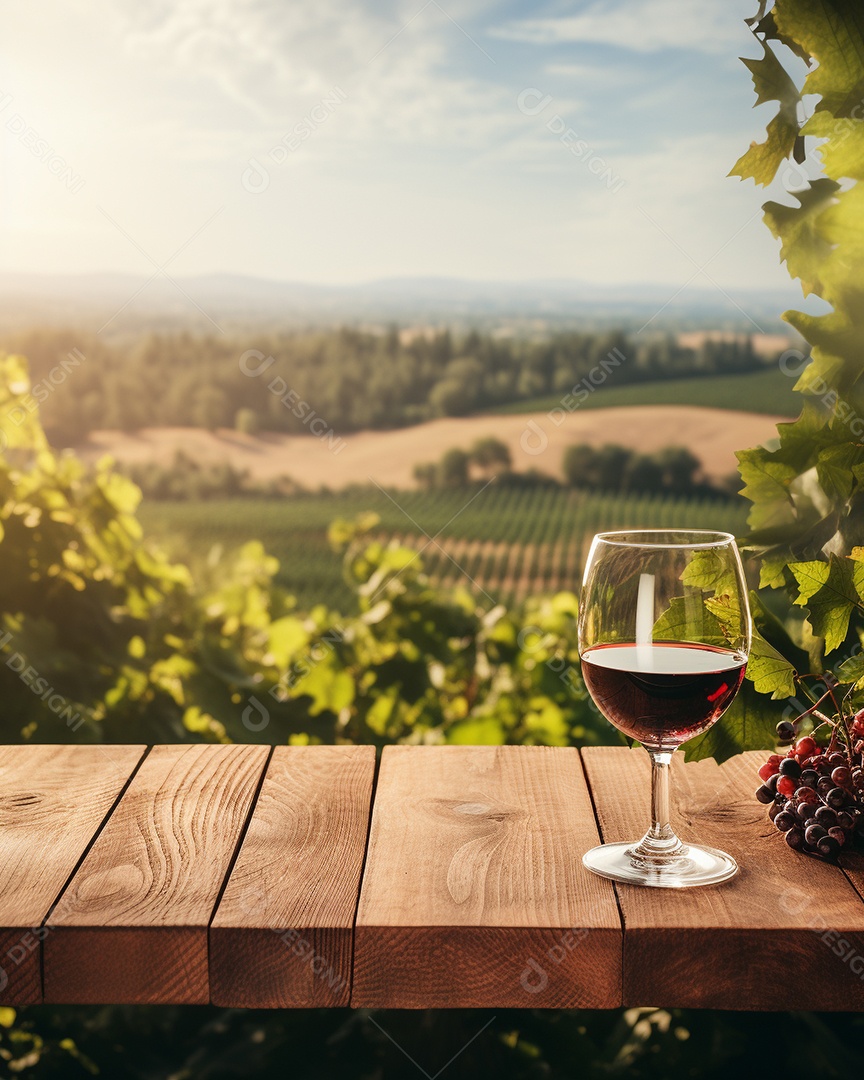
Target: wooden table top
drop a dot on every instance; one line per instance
(298, 876)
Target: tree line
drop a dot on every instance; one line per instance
(349, 379)
(610, 468)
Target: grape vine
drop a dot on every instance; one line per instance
(806, 523)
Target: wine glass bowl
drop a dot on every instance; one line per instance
(664, 636)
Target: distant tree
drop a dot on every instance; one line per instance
(617, 468)
(426, 474)
(209, 407)
(491, 454)
(447, 398)
(643, 475)
(679, 467)
(460, 390)
(246, 422)
(453, 470)
(612, 463)
(580, 466)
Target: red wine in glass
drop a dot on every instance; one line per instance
(664, 636)
(663, 693)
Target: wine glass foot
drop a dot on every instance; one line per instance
(691, 865)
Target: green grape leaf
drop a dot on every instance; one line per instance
(771, 83)
(761, 162)
(688, 618)
(709, 569)
(330, 688)
(836, 339)
(811, 576)
(727, 611)
(832, 33)
(829, 591)
(843, 153)
(767, 480)
(834, 468)
(842, 226)
(477, 731)
(857, 558)
(767, 27)
(287, 637)
(768, 670)
(772, 572)
(852, 671)
(802, 246)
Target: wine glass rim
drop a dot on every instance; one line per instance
(629, 538)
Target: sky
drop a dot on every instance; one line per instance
(339, 142)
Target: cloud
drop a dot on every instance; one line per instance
(643, 26)
(276, 61)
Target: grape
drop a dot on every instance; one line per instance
(795, 839)
(828, 847)
(814, 833)
(826, 817)
(841, 776)
(815, 795)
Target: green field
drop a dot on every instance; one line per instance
(506, 543)
(762, 392)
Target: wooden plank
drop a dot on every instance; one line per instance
(52, 801)
(131, 927)
(734, 945)
(282, 935)
(474, 894)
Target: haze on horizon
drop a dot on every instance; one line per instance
(339, 142)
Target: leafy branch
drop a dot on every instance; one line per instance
(806, 523)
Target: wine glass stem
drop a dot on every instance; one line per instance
(660, 841)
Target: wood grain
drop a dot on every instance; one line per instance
(131, 927)
(282, 935)
(474, 894)
(52, 801)
(736, 945)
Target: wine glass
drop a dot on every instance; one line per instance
(664, 635)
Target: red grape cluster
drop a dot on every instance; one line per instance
(816, 796)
